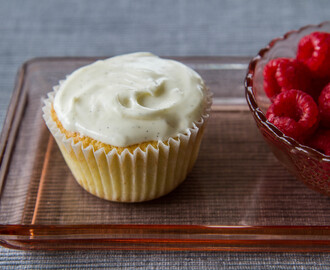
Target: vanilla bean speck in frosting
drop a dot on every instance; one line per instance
(130, 99)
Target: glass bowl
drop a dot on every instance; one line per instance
(308, 165)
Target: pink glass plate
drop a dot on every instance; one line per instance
(238, 196)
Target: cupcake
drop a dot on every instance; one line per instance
(129, 127)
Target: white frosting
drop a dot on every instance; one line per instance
(130, 99)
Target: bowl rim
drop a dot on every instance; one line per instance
(256, 110)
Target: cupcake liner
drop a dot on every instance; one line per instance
(130, 177)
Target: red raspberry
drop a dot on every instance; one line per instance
(324, 106)
(284, 74)
(295, 113)
(321, 141)
(314, 52)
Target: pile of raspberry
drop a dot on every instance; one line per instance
(299, 89)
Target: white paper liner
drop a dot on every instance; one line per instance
(130, 177)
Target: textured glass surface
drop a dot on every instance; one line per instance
(238, 196)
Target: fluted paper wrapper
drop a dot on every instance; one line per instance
(130, 177)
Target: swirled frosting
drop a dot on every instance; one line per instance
(129, 99)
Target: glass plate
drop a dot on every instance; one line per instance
(238, 197)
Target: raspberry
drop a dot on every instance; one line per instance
(324, 106)
(283, 74)
(321, 141)
(314, 52)
(295, 113)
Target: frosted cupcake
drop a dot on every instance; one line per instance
(129, 127)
